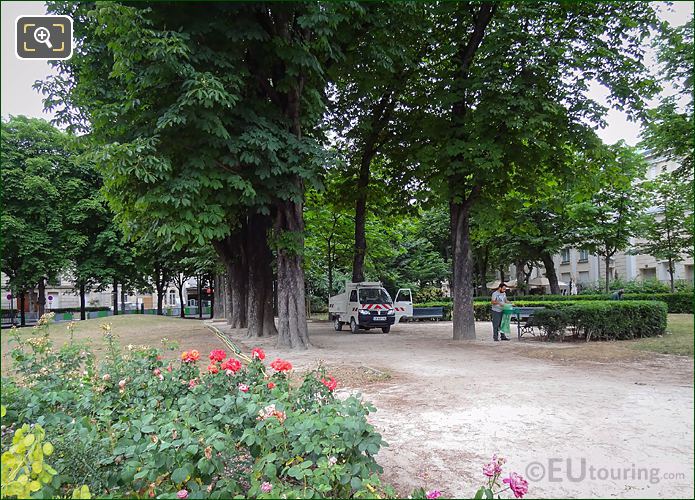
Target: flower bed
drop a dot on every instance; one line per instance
(136, 425)
(215, 426)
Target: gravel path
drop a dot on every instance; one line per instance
(574, 427)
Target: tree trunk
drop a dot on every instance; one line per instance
(464, 319)
(329, 259)
(22, 305)
(608, 274)
(671, 272)
(212, 296)
(238, 279)
(83, 305)
(114, 300)
(219, 297)
(182, 313)
(292, 327)
(261, 321)
(160, 297)
(42, 297)
(520, 275)
(232, 253)
(199, 280)
(550, 273)
(360, 221)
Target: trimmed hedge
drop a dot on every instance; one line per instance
(679, 302)
(605, 320)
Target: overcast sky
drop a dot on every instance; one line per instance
(18, 98)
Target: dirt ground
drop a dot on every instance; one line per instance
(623, 417)
(578, 420)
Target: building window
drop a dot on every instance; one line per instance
(172, 297)
(583, 255)
(583, 277)
(565, 253)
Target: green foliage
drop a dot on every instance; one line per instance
(429, 295)
(156, 427)
(194, 127)
(677, 303)
(668, 129)
(24, 471)
(604, 320)
(36, 161)
(666, 231)
(612, 214)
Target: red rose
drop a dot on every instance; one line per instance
(213, 368)
(280, 365)
(231, 364)
(271, 385)
(257, 352)
(218, 355)
(331, 383)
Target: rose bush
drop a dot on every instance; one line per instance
(136, 425)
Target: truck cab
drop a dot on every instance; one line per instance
(368, 305)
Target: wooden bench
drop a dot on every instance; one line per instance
(435, 313)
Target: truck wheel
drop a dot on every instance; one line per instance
(386, 329)
(353, 326)
(338, 325)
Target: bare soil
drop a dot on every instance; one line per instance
(445, 407)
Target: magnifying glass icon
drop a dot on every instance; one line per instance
(42, 35)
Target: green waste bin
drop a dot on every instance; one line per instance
(505, 326)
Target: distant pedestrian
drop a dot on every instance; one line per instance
(499, 299)
(618, 294)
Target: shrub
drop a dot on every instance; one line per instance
(634, 286)
(429, 294)
(157, 427)
(604, 320)
(679, 302)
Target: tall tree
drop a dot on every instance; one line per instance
(506, 103)
(666, 229)
(611, 216)
(668, 128)
(204, 119)
(371, 105)
(35, 158)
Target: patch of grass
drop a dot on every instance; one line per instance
(128, 329)
(679, 339)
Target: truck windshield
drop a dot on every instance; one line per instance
(374, 296)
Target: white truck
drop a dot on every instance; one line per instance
(368, 305)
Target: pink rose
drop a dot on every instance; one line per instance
(243, 388)
(266, 487)
(517, 484)
(433, 494)
(182, 494)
